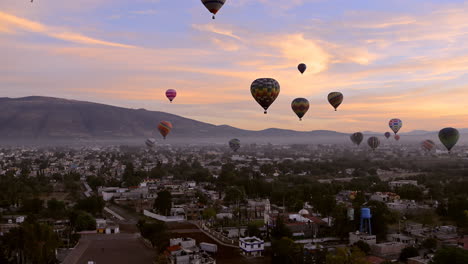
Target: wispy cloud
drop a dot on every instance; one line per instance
(144, 12)
(11, 23)
(216, 29)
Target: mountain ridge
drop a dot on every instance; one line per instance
(39, 117)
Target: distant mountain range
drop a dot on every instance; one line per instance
(47, 118)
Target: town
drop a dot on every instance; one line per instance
(207, 204)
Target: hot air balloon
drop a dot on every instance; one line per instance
(265, 91)
(164, 128)
(234, 144)
(397, 137)
(387, 135)
(335, 99)
(357, 138)
(171, 94)
(300, 106)
(373, 142)
(302, 68)
(150, 142)
(449, 137)
(213, 5)
(428, 145)
(395, 124)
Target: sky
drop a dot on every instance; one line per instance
(404, 59)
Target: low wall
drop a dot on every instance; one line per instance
(163, 218)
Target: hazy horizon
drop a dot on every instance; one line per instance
(390, 60)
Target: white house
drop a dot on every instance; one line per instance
(251, 246)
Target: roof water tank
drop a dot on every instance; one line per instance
(365, 213)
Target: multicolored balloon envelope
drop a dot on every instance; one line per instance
(171, 94)
(300, 106)
(397, 137)
(335, 99)
(373, 143)
(357, 138)
(213, 5)
(265, 91)
(449, 137)
(164, 128)
(395, 125)
(428, 145)
(387, 135)
(150, 142)
(302, 67)
(234, 144)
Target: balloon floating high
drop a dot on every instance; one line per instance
(428, 145)
(387, 135)
(397, 137)
(373, 143)
(302, 68)
(234, 144)
(150, 142)
(171, 94)
(395, 125)
(335, 99)
(357, 138)
(300, 106)
(265, 91)
(164, 128)
(213, 5)
(449, 137)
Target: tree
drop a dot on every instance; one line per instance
(381, 218)
(56, 209)
(341, 224)
(408, 252)
(253, 229)
(450, 255)
(31, 243)
(429, 243)
(40, 242)
(163, 202)
(93, 205)
(80, 221)
(325, 204)
(156, 232)
(363, 246)
(33, 206)
(280, 230)
(209, 213)
(346, 256)
(410, 192)
(234, 195)
(286, 251)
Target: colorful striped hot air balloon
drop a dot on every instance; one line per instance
(335, 99)
(302, 67)
(164, 128)
(373, 143)
(300, 106)
(357, 138)
(213, 5)
(449, 137)
(395, 124)
(387, 135)
(171, 94)
(265, 91)
(428, 145)
(234, 144)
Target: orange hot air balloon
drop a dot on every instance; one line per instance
(164, 128)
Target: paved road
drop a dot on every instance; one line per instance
(112, 249)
